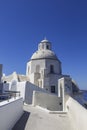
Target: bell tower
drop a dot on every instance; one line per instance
(44, 45)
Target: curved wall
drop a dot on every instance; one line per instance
(78, 114)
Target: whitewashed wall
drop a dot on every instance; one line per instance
(21, 86)
(29, 92)
(7, 86)
(48, 101)
(10, 112)
(26, 90)
(43, 74)
(78, 114)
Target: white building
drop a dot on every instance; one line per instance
(44, 72)
(44, 68)
(43, 75)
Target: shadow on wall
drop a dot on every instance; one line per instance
(20, 125)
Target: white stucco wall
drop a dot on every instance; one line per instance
(78, 114)
(21, 86)
(31, 77)
(43, 63)
(55, 63)
(53, 81)
(26, 91)
(66, 83)
(8, 86)
(32, 65)
(48, 101)
(10, 112)
(44, 74)
(29, 92)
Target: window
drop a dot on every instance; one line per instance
(47, 47)
(51, 69)
(52, 89)
(60, 103)
(5, 81)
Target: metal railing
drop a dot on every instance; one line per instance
(9, 94)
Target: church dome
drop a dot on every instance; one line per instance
(44, 54)
(44, 51)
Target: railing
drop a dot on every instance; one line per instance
(9, 94)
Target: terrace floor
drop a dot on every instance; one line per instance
(35, 118)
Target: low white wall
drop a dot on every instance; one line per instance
(21, 86)
(10, 112)
(48, 101)
(26, 90)
(29, 92)
(77, 113)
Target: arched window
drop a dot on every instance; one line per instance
(47, 47)
(51, 69)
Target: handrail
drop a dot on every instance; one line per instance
(13, 91)
(9, 94)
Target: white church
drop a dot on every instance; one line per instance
(45, 71)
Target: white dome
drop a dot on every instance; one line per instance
(44, 54)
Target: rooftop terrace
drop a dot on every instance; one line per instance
(35, 118)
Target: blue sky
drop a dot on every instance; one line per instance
(24, 23)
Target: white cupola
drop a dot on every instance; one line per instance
(44, 45)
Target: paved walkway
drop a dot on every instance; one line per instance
(36, 119)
